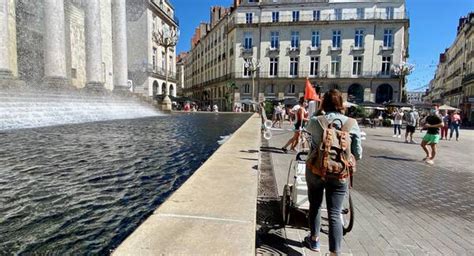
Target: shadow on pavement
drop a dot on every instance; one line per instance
(398, 142)
(394, 158)
(271, 150)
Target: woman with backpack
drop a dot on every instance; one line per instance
(322, 167)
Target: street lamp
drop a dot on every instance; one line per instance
(402, 70)
(166, 38)
(252, 65)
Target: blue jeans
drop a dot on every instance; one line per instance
(335, 192)
(397, 127)
(454, 127)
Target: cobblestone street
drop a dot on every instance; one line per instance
(402, 205)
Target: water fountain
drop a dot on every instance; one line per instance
(29, 107)
(82, 164)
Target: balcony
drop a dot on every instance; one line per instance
(358, 49)
(320, 74)
(324, 17)
(293, 50)
(332, 49)
(311, 50)
(273, 50)
(246, 51)
(164, 9)
(385, 48)
(468, 78)
(159, 72)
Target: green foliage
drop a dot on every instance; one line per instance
(360, 112)
(387, 122)
(269, 109)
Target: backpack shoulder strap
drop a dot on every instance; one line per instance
(323, 121)
(348, 125)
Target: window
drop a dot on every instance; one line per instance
(247, 40)
(275, 16)
(248, 18)
(154, 58)
(360, 13)
(338, 14)
(271, 89)
(386, 63)
(296, 16)
(335, 65)
(294, 66)
(247, 88)
(389, 12)
(357, 66)
(388, 38)
(291, 89)
(314, 66)
(316, 15)
(295, 39)
(359, 38)
(247, 71)
(315, 40)
(273, 66)
(274, 40)
(336, 39)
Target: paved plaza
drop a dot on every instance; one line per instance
(403, 206)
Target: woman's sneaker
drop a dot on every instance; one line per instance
(312, 245)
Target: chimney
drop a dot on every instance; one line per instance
(237, 3)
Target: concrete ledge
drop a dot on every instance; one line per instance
(214, 211)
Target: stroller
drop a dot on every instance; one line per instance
(295, 195)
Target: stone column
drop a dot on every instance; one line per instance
(93, 45)
(5, 70)
(120, 44)
(54, 43)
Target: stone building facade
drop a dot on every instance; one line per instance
(64, 43)
(415, 97)
(453, 83)
(148, 64)
(350, 45)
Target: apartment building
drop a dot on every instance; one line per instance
(453, 83)
(149, 63)
(415, 97)
(350, 45)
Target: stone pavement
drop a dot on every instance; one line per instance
(402, 205)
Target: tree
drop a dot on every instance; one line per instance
(402, 70)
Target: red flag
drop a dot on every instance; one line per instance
(310, 92)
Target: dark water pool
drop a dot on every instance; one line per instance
(81, 189)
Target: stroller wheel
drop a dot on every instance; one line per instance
(285, 205)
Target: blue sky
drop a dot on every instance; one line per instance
(433, 26)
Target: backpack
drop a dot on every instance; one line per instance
(333, 157)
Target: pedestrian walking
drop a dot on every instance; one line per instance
(433, 124)
(412, 119)
(300, 120)
(455, 123)
(278, 115)
(397, 123)
(293, 112)
(324, 175)
(446, 121)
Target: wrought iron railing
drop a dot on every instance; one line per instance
(268, 18)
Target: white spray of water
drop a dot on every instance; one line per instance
(29, 109)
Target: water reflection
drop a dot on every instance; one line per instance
(85, 187)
